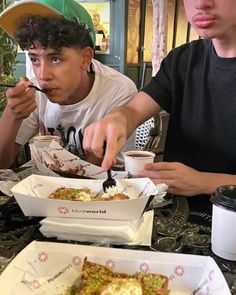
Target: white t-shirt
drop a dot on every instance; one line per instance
(110, 90)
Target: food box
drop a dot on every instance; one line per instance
(50, 268)
(55, 159)
(32, 196)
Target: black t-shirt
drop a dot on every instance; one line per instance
(198, 89)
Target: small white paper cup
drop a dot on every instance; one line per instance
(45, 140)
(136, 160)
(223, 233)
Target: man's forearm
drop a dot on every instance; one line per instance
(124, 115)
(136, 112)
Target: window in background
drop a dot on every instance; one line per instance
(179, 30)
(100, 14)
(133, 31)
(147, 50)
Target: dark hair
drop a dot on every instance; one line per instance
(54, 32)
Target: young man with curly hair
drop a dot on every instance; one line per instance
(59, 38)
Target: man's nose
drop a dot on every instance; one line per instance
(45, 72)
(202, 4)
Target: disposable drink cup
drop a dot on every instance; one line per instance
(136, 160)
(223, 236)
(45, 140)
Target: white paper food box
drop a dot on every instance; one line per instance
(50, 268)
(56, 156)
(32, 196)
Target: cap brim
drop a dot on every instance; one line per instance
(11, 15)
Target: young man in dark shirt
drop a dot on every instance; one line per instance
(196, 86)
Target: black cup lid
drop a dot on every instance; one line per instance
(225, 196)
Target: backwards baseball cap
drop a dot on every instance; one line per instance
(70, 9)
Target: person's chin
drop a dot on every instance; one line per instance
(56, 99)
(207, 33)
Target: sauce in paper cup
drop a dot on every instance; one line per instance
(136, 160)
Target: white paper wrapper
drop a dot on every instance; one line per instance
(103, 231)
(7, 174)
(6, 186)
(8, 179)
(49, 268)
(32, 196)
(55, 157)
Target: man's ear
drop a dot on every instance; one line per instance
(87, 55)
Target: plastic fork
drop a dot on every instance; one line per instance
(109, 182)
(30, 86)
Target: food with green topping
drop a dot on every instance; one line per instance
(97, 279)
(86, 194)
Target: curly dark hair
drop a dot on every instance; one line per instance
(53, 32)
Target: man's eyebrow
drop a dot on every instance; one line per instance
(32, 54)
(53, 53)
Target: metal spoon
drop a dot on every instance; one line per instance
(31, 86)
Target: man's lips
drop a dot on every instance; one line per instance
(203, 20)
(49, 90)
